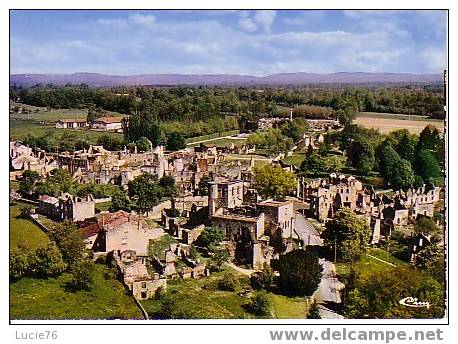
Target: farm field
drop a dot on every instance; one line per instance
(389, 122)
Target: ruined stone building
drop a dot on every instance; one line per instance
(326, 196)
(67, 206)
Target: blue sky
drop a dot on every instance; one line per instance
(232, 42)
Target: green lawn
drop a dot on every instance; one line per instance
(285, 307)
(386, 256)
(368, 265)
(211, 136)
(48, 299)
(206, 301)
(295, 159)
(24, 232)
(105, 206)
(160, 245)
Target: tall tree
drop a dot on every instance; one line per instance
(300, 272)
(69, 240)
(146, 191)
(27, 183)
(361, 156)
(404, 177)
(426, 165)
(348, 234)
(175, 141)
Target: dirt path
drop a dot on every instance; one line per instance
(381, 260)
(246, 272)
(217, 138)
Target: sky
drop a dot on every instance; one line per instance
(243, 42)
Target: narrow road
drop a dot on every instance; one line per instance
(328, 291)
(306, 232)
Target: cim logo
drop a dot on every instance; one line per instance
(413, 302)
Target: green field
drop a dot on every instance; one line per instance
(395, 116)
(368, 265)
(24, 232)
(295, 159)
(32, 298)
(205, 301)
(19, 129)
(211, 136)
(52, 115)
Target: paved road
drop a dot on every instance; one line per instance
(306, 231)
(328, 291)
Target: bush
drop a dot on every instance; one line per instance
(262, 279)
(160, 293)
(260, 304)
(210, 236)
(314, 312)
(171, 308)
(47, 261)
(82, 274)
(228, 283)
(19, 263)
(25, 211)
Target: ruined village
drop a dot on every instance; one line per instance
(208, 194)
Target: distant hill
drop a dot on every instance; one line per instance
(95, 79)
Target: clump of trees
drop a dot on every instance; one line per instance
(271, 181)
(378, 297)
(46, 261)
(405, 160)
(64, 252)
(272, 139)
(146, 191)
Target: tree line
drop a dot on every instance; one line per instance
(200, 103)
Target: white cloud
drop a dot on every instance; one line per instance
(210, 45)
(143, 20)
(247, 24)
(114, 23)
(265, 18)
